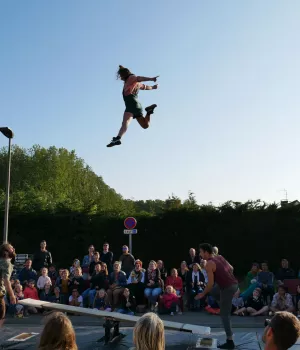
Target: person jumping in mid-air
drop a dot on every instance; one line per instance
(134, 110)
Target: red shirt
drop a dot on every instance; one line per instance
(169, 299)
(31, 293)
(175, 282)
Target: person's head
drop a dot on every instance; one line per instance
(152, 265)
(101, 293)
(47, 287)
(76, 263)
(31, 284)
(58, 333)
(125, 249)
(43, 245)
(256, 292)
(265, 266)
(98, 267)
(215, 251)
(78, 272)
(192, 252)
(65, 274)
(206, 250)
(75, 293)
(60, 272)
(160, 264)
(18, 288)
(17, 282)
(138, 265)
(183, 265)
(196, 267)
(282, 290)
(126, 293)
(105, 247)
(117, 266)
(96, 256)
(28, 264)
(52, 268)
(123, 73)
(56, 290)
(282, 331)
(104, 269)
(7, 251)
(284, 263)
(203, 263)
(44, 271)
(174, 272)
(149, 333)
(170, 290)
(255, 268)
(91, 249)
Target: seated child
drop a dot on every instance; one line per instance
(169, 301)
(18, 308)
(128, 303)
(46, 294)
(75, 299)
(101, 301)
(282, 301)
(43, 279)
(56, 298)
(254, 305)
(31, 292)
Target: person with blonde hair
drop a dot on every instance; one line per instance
(58, 333)
(149, 333)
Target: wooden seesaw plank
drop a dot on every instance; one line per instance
(120, 317)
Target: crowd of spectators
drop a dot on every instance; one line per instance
(125, 285)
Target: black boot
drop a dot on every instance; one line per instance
(228, 345)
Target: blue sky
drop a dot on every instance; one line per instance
(227, 123)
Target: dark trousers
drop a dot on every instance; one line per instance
(268, 291)
(224, 297)
(163, 310)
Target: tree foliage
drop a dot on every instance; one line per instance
(56, 196)
(56, 180)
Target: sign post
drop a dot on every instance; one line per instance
(130, 224)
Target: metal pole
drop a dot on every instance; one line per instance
(130, 243)
(5, 233)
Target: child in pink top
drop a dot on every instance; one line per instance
(134, 110)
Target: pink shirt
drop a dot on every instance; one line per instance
(132, 85)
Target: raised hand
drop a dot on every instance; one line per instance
(155, 78)
(154, 87)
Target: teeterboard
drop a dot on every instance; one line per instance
(121, 317)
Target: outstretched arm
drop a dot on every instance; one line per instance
(147, 87)
(140, 79)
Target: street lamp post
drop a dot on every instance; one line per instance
(9, 134)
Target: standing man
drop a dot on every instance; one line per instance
(192, 258)
(7, 253)
(127, 261)
(107, 257)
(222, 285)
(42, 258)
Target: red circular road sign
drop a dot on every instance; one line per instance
(130, 223)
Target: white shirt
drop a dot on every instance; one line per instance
(42, 281)
(205, 275)
(79, 299)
